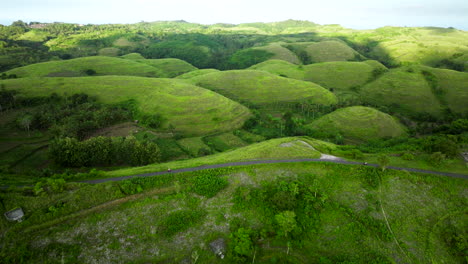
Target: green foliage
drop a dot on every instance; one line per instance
(245, 58)
(437, 159)
(242, 244)
(49, 186)
(209, 185)
(407, 156)
(179, 221)
(129, 187)
(100, 151)
(445, 144)
(383, 161)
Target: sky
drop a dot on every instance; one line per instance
(357, 14)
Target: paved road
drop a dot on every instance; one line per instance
(242, 163)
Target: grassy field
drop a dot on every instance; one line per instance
(358, 124)
(404, 89)
(224, 141)
(194, 146)
(360, 215)
(331, 50)
(77, 67)
(258, 87)
(169, 67)
(280, 53)
(189, 109)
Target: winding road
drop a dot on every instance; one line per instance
(253, 162)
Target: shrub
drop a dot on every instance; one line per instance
(179, 221)
(208, 185)
(407, 156)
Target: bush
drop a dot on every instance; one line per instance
(437, 159)
(179, 221)
(209, 185)
(407, 156)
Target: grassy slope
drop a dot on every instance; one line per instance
(280, 53)
(76, 67)
(281, 68)
(341, 75)
(280, 148)
(327, 50)
(351, 220)
(195, 73)
(132, 56)
(259, 87)
(190, 109)
(409, 90)
(454, 86)
(358, 123)
(170, 67)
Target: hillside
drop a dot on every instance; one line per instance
(330, 50)
(280, 52)
(169, 67)
(195, 73)
(280, 68)
(190, 109)
(262, 88)
(358, 124)
(96, 65)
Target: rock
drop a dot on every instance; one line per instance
(218, 247)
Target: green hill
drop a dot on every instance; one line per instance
(169, 67)
(330, 50)
(452, 87)
(281, 68)
(359, 124)
(189, 109)
(341, 75)
(262, 88)
(280, 53)
(96, 65)
(404, 90)
(132, 56)
(195, 73)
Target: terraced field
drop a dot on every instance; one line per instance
(359, 124)
(190, 109)
(261, 88)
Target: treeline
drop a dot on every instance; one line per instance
(103, 151)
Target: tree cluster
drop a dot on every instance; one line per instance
(103, 151)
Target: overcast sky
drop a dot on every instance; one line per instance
(359, 14)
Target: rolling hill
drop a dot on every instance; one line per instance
(189, 109)
(359, 124)
(96, 65)
(262, 88)
(280, 53)
(405, 90)
(169, 67)
(329, 50)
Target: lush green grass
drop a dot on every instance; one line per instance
(78, 67)
(453, 86)
(194, 146)
(189, 109)
(280, 148)
(258, 87)
(280, 53)
(404, 90)
(359, 214)
(341, 75)
(169, 67)
(331, 50)
(195, 73)
(281, 68)
(358, 124)
(132, 56)
(223, 142)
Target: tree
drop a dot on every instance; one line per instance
(25, 121)
(383, 160)
(287, 223)
(242, 242)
